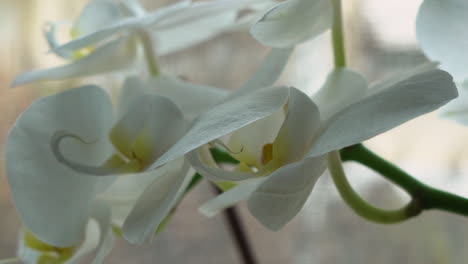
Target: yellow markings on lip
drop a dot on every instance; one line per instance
(136, 154)
(267, 153)
(50, 254)
(78, 54)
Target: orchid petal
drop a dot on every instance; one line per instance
(100, 240)
(268, 72)
(54, 201)
(155, 203)
(278, 199)
(283, 25)
(382, 111)
(97, 13)
(122, 194)
(458, 108)
(192, 99)
(102, 214)
(441, 31)
(203, 163)
(123, 25)
(231, 197)
(132, 89)
(177, 38)
(342, 88)
(50, 36)
(113, 56)
(133, 8)
(226, 118)
(150, 127)
(246, 143)
(301, 124)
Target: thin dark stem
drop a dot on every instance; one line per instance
(238, 233)
(427, 197)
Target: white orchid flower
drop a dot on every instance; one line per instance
(111, 44)
(61, 142)
(280, 136)
(292, 22)
(441, 33)
(31, 250)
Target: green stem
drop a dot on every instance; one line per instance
(360, 206)
(346, 191)
(338, 35)
(150, 54)
(427, 197)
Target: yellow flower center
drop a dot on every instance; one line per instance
(49, 254)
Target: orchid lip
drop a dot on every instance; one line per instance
(88, 169)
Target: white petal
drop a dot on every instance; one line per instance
(458, 108)
(50, 36)
(96, 14)
(226, 118)
(268, 72)
(122, 26)
(203, 163)
(192, 99)
(84, 41)
(195, 11)
(246, 143)
(113, 56)
(155, 203)
(150, 127)
(186, 35)
(292, 22)
(278, 199)
(342, 88)
(385, 110)
(132, 88)
(298, 130)
(133, 8)
(52, 200)
(122, 195)
(102, 215)
(231, 197)
(441, 31)
(99, 238)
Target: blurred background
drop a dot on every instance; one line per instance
(380, 40)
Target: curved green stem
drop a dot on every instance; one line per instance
(338, 35)
(150, 53)
(359, 205)
(427, 197)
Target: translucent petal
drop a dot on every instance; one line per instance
(150, 127)
(156, 202)
(96, 14)
(299, 128)
(384, 110)
(278, 199)
(226, 118)
(113, 56)
(203, 163)
(192, 99)
(441, 31)
(292, 22)
(54, 201)
(342, 88)
(268, 72)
